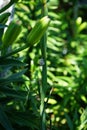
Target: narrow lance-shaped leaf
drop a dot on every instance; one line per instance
(4, 17)
(11, 62)
(4, 120)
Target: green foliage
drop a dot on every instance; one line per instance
(20, 72)
(83, 120)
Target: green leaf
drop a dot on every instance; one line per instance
(69, 121)
(4, 120)
(18, 94)
(24, 119)
(14, 77)
(11, 62)
(83, 119)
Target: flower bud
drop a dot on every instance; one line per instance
(11, 34)
(38, 31)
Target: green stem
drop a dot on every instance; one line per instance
(44, 72)
(75, 15)
(44, 84)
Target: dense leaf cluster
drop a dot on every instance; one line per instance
(20, 74)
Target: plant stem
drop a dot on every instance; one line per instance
(44, 72)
